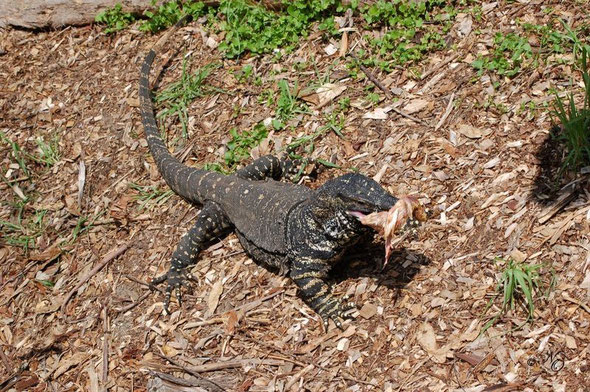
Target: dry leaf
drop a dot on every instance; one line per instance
(46, 306)
(472, 359)
(65, 364)
(472, 132)
(465, 26)
(231, 322)
(427, 338)
(169, 351)
(378, 113)
(415, 105)
(570, 342)
(343, 344)
(368, 310)
(328, 92)
(93, 379)
(214, 296)
(330, 49)
(343, 45)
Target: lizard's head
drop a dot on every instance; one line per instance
(358, 194)
(348, 198)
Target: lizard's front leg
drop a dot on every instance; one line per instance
(211, 224)
(309, 275)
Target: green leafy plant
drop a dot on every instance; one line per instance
(150, 196)
(114, 19)
(217, 167)
(170, 12)
(287, 104)
(374, 98)
(165, 16)
(517, 284)
(510, 54)
(178, 95)
(577, 45)
(344, 104)
(266, 97)
(17, 153)
(24, 232)
(575, 123)
(83, 225)
(414, 29)
(257, 29)
(238, 148)
(48, 152)
(334, 123)
(244, 74)
(552, 40)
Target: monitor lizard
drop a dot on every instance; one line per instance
(292, 228)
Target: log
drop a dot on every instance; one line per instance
(40, 14)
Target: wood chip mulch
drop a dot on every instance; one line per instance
(477, 166)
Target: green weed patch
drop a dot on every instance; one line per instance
(575, 123)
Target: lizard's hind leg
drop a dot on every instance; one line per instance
(211, 224)
(309, 275)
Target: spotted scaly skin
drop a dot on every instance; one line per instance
(290, 228)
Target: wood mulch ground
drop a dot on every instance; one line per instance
(476, 160)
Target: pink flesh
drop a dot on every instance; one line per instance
(387, 223)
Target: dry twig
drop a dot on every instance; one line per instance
(378, 83)
(201, 380)
(105, 348)
(107, 259)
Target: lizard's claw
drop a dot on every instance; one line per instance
(175, 279)
(337, 310)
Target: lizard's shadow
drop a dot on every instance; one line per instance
(403, 266)
(550, 155)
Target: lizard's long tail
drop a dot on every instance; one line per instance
(183, 180)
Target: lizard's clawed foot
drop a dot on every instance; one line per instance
(294, 169)
(337, 310)
(175, 278)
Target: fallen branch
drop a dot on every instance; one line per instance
(107, 259)
(563, 200)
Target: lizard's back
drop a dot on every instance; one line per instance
(258, 210)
